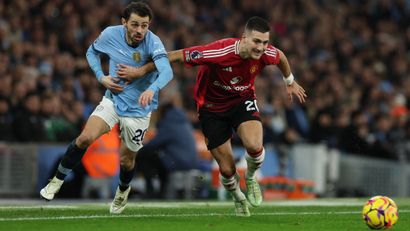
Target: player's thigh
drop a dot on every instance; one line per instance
(133, 130)
(101, 121)
(224, 157)
(216, 129)
(247, 123)
(251, 134)
(95, 127)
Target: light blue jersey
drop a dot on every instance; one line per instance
(112, 42)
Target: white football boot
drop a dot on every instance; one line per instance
(254, 193)
(241, 208)
(51, 189)
(120, 200)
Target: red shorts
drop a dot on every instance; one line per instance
(218, 127)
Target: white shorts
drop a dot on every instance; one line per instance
(132, 129)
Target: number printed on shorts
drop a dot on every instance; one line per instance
(251, 105)
(139, 136)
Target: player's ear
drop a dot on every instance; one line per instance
(244, 35)
(123, 21)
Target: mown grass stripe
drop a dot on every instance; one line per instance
(176, 215)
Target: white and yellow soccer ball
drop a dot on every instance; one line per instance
(380, 212)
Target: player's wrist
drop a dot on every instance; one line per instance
(99, 76)
(140, 71)
(289, 79)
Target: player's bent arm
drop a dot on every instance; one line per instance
(176, 56)
(173, 56)
(93, 59)
(292, 87)
(284, 67)
(165, 74)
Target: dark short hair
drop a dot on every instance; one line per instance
(140, 8)
(257, 23)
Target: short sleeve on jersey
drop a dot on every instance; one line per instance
(211, 53)
(272, 56)
(101, 41)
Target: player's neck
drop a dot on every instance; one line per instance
(242, 51)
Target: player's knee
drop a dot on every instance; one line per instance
(227, 171)
(254, 148)
(84, 140)
(253, 144)
(127, 163)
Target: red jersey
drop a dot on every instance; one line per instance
(224, 78)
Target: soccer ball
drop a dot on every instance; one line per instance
(380, 212)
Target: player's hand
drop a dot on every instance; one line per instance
(296, 89)
(146, 98)
(111, 84)
(129, 73)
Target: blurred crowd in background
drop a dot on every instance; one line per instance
(352, 57)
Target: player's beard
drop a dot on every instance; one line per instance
(134, 38)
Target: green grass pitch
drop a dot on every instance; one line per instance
(319, 214)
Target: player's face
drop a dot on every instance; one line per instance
(256, 43)
(136, 27)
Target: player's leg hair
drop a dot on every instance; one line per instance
(251, 134)
(127, 165)
(229, 178)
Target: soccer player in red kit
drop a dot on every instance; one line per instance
(226, 100)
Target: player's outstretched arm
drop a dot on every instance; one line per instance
(292, 87)
(130, 73)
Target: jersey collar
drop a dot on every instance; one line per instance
(237, 47)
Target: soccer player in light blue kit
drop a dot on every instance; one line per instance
(129, 104)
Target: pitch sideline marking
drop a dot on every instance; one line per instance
(77, 205)
(174, 215)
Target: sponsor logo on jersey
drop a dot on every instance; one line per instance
(229, 88)
(196, 55)
(136, 56)
(235, 80)
(253, 69)
(122, 52)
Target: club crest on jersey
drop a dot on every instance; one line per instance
(253, 69)
(136, 56)
(235, 80)
(196, 55)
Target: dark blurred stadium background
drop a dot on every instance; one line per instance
(351, 138)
